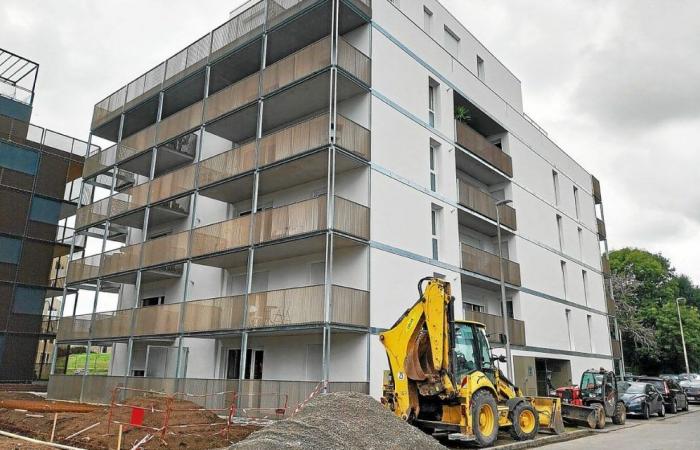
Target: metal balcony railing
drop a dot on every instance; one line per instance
(472, 198)
(602, 234)
(494, 325)
(616, 349)
(25, 133)
(471, 140)
(227, 164)
(220, 237)
(597, 196)
(487, 264)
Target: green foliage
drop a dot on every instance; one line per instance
(462, 114)
(668, 336)
(653, 271)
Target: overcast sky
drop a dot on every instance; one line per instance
(615, 83)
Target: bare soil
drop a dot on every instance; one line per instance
(207, 430)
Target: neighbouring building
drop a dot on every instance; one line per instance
(270, 195)
(40, 174)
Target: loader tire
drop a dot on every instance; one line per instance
(484, 418)
(599, 416)
(526, 422)
(620, 415)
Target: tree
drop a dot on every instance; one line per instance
(652, 271)
(668, 336)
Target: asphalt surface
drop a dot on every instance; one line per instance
(671, 433)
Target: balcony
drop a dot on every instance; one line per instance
(494, 324)
(214, 314)
(124, 259)
(602, 234)
(74, 327)
(232, 97)
(157, 320)
(616, 349)
(91, 214)
(605, 265)
(487, 264)
(111, 324)
(221, 237)
(227, 164)
(131, 199)
(482, 203)
(82, 269)
(477, 144)
(298, 65)
(610, 302)
(597, 196)
(166, 249)
(173, 184)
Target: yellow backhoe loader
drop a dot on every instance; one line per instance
(443, 377)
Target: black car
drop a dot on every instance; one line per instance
(643, 399)
(674, 396)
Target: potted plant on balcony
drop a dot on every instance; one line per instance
(462, 114)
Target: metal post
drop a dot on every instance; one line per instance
(680, 322)
(504, 305)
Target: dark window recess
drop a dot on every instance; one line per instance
(29, 300)
(153, 301)
(138, 373)
(45, 210)
(509, 306)
(18, 159)
(10, 250)
(254, 359)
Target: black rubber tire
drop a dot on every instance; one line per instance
(662, 412)
(599, 416)
(674, 407)
(480, 399)
(620, 415)
(687, 405)
(646, 413)
(516, 431)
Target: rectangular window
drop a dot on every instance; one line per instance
(427, 19)
(433, 168)
(480, 71)
(432, 102)
(576, 205)
(435, 230)
(153, 301)
(584, 277)
(473, 307)
(555, 183)
(10, 250)
(29, 301)
(572, 346)
(253, 364)
(18, 159)
(590, 332)
(580, 241)
(452, 42)
(509, 306)
(560, 232)
(45, 210)
(563, 276)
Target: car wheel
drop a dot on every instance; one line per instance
(662, 412)
(646, 413)
(674, 407)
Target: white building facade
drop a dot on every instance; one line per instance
(269, 197)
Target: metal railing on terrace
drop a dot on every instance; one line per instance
(25, 133)
(235, 32)
(476, 200)
(471, 140)
(17, 77)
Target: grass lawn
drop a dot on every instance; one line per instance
(99, 363)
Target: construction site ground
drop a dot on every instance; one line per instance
(189, 426)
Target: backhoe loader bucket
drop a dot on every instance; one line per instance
(549, 412)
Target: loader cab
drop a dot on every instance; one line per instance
(471, 350)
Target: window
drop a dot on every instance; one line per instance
(480, 71)
(10, 250)
(590, 333)
(29, 301)
(555, 183)
(433, 167)
(472, 307)
(584, 277)
(427, 19)
(253, 364)
(432, 102)
(435, 230)
(572, 346)
(45, 210)
(509, 307)
(451, 42)
(18, 159)
(563, 276)
(580, 241)
(560, 232)
(153, 301)
(576, 205)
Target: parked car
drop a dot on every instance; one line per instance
(670, 376)
(643, 399)
(686, 379)
(675, 398)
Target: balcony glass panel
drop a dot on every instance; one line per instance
(353, 137)
(92, 213)
(487, 264)
(349, 306)
(298, 218)
(120, 260)
(351, 218)
(166, 249)
(133, 198)
(296, 66)
(295, 139)
(83, 269)
(227, 164)
(354, 61)
(294, 306)
(233, 97)
(74, 327)
(223, 313)
(482, 203)
(112, 324)
(470, 139)
(173, 183)
(161, 319)
(494, 324)
(221, 236)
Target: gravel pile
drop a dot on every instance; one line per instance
(341, 420)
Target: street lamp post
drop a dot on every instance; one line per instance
(680, 322)
(504, 306)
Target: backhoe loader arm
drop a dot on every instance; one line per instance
(418, 348)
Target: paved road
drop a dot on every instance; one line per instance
(675, 432)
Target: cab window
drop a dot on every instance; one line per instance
(465, 356)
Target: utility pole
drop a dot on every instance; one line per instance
(504, 305)
(680, 322)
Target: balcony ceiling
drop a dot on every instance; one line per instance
(303, 30)
(141, 116)
(237, 127)
(479, 120)
(183, 94)
(232, 191)
(236, 66)
(232, 260)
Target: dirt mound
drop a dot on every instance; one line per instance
(340, 420)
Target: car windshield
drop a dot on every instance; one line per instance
(658, 383)
(635, 388)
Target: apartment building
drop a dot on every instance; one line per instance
(268, 197)
(39, 185)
